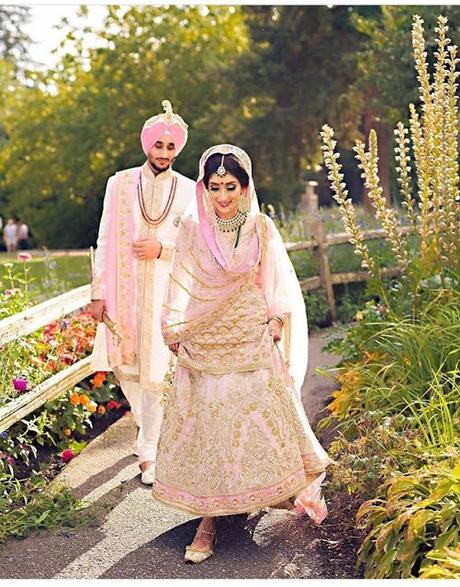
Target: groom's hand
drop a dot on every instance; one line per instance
(147, 249)
(96, 309)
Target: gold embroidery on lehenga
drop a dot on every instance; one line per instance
(200, 267)
(231, 444)
(234, 339)
(171, 309)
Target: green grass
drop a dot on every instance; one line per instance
(49, 276)
(30, 505)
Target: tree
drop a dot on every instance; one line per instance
(14, 42)
(387, 81)
(294, 79)
(81, 122)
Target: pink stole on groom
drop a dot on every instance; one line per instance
(119, 270)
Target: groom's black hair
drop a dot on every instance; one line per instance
(231, 164)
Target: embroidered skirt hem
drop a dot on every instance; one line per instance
(228, 505)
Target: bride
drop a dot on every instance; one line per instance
(234, 436)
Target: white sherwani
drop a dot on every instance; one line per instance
(142, 382)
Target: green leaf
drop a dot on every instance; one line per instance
(446, 538)
(417, 523)
(384, 565)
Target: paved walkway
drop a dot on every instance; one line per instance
(133, 536)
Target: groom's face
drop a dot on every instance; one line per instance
(163, 153)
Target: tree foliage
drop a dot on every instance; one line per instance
(295, 78)
(14, 42)
(386, 60)
(80, 123)
(263, 77)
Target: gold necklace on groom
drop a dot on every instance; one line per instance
(161, 218)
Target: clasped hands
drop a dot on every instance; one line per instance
(147, 249)
(274, 327)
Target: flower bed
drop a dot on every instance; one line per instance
(33, 450)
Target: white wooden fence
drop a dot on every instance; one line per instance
(33, 318)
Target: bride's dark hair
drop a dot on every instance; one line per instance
(231, 164)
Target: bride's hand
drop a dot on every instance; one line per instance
(174, 348)
(275, 329)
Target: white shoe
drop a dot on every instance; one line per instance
(148, 476)
(193, 555)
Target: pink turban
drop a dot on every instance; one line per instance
(166, 123)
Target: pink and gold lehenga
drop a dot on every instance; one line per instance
(235, 437)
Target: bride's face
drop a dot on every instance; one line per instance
(225, 193)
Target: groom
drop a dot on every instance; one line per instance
(135, 247)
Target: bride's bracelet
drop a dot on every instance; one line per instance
(279, 318)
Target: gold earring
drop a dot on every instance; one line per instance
(243, 203)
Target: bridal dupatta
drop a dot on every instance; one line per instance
(205, 279)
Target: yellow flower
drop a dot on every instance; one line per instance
(91, 406)
(359, 315)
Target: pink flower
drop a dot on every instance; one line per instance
(67, 455)
(11, 292)
(23, 256)
(20, 384)
(10, 460)
(113, 405)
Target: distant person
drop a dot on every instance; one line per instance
(10, 235)
(23, 236)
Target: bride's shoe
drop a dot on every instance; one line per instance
(194, 555)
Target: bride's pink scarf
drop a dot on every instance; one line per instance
(118, 275)
(206, 227)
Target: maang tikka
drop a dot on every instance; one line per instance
(221, 171)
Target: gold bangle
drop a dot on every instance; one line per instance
(279, 318)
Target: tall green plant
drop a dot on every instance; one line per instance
(433, 147)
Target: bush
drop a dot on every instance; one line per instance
(398, 406)
(413, 522)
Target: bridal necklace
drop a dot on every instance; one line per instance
(156, 221)
(232, 224)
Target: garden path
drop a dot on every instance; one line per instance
(133, 536)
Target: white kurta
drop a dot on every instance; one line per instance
(150, 277)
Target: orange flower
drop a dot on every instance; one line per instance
(84, 400)
(75, 399)
(67, 432)
(101, 410)
(98, 379)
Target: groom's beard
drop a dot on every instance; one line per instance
(157, 170)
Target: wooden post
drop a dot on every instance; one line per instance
(319, 234)
(314, 227)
